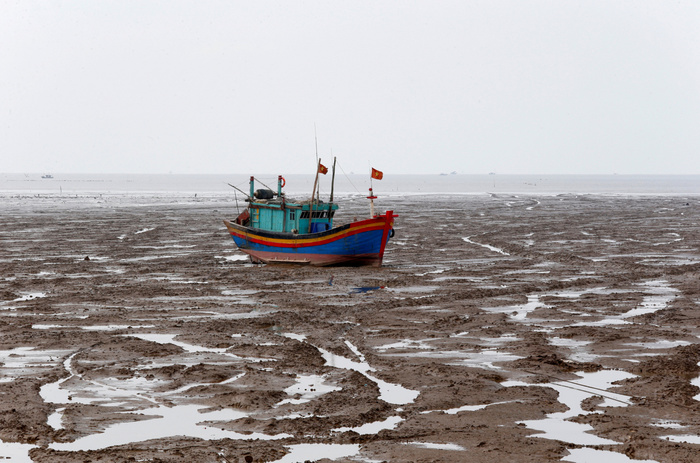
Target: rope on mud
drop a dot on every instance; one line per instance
(688, 407)
(581, 385)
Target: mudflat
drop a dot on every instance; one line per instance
(500, 329)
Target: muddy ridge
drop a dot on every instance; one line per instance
(500, 328)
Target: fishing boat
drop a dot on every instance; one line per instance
(273, 229)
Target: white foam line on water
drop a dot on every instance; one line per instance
(487, 246)
(144, 231)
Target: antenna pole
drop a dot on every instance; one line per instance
(333, 179)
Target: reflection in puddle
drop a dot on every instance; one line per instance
(685, 439)
(373, 428)
(696, 382)
(170, 339)
(29, 297)
(311, 452)
(16, 453)
(668, 424)
(436, 446)
(181, 420)
(466, 408)
(388, 392)
(661, 295)
(234, 258)
(307, 388)
(406, 344)
(586, 455)
(413, 289)
(165, 421)
(487, 246)
(572, 393)
(14, 362)
(520, 312)
(482, 359)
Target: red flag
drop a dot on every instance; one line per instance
(377, 174)
(322, 169)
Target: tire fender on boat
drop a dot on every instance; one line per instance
(392, 233)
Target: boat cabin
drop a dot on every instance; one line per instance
(271, 211)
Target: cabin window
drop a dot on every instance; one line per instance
(317, 215)
(292, 215)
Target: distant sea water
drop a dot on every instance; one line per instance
(391, 185)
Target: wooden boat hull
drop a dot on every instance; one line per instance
(357, 243)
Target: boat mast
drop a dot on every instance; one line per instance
(313, 193)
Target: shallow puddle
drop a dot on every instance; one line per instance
(375, 427)
(572, 393)
(180, 420)
(15, 453)
(587, 455)
(306, 389)
(436, 446)
(301, 453)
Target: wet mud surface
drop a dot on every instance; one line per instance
(500, 328)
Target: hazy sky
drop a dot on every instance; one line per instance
(509, 86)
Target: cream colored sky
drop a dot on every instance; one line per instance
(409, 86)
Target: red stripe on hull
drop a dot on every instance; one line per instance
(299, 249)
(300, 241)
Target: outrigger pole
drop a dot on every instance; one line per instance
(234, 187)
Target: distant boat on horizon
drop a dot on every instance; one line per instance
(47, 176)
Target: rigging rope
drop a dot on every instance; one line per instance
(348, 178)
